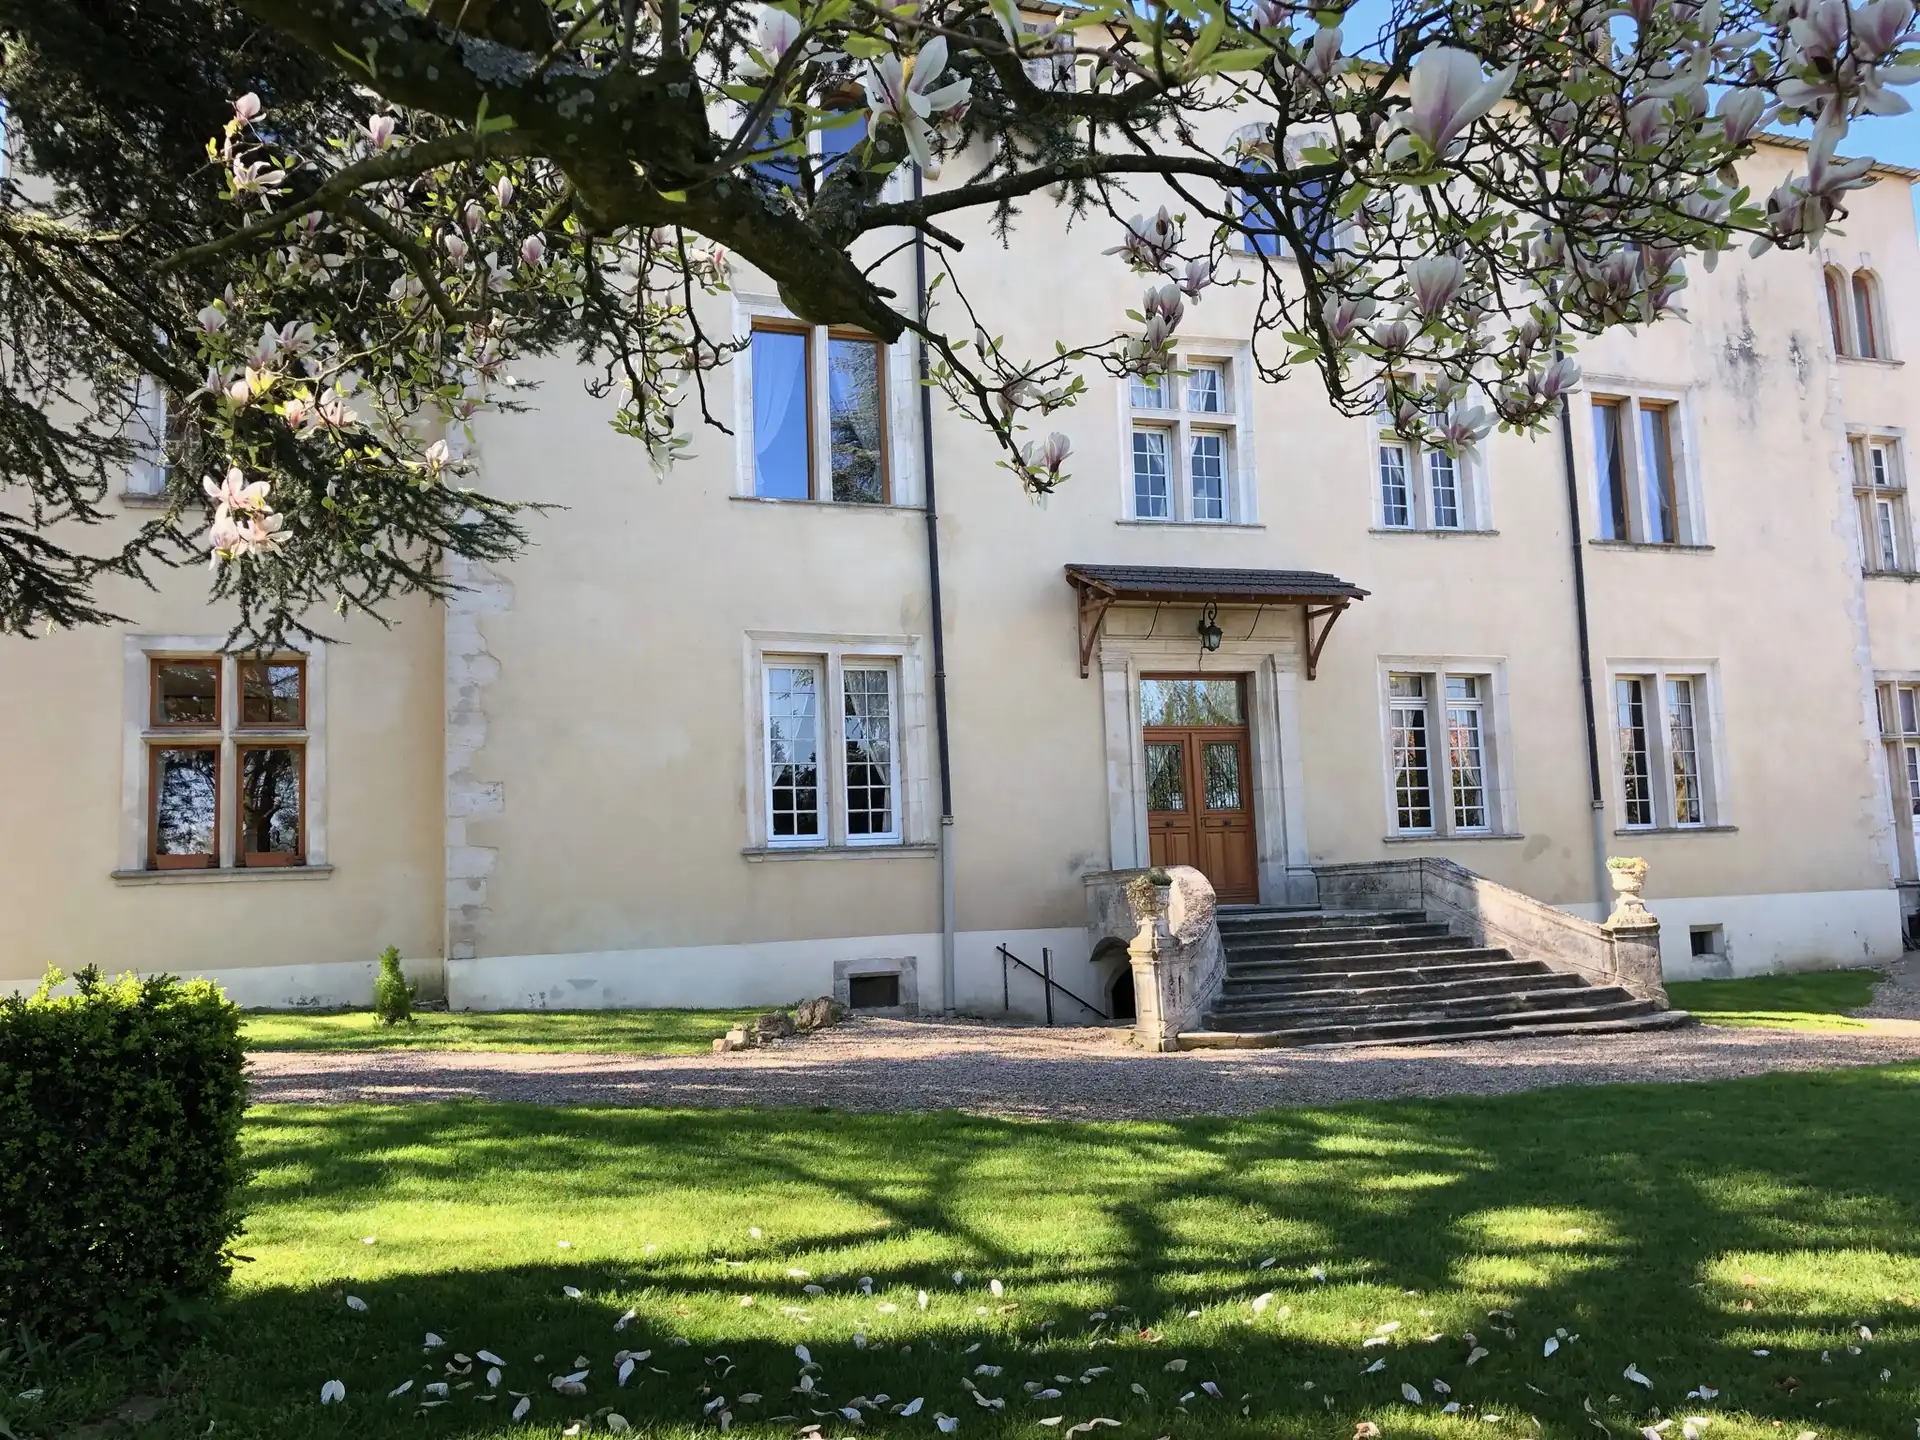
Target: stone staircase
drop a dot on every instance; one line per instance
(1300, 977)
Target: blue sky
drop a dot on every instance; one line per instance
(1895, 139)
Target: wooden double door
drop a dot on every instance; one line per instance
(1200, 780)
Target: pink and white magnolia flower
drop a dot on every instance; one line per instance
(213, 319)
(1448, 92)
(1561, 376)
(776, 33)
(905, 94)
(503, 191)
(1045, 458)
(533, 249)
(1741, 112)
(379, 131)
(1879, 27)
(1343, 315)
(1435, 280)
(1323, 53)
(1198, 277)
(334, 413)
(455, 247)
(257, 177)
(1149, 243)
(235, 493)
(247, 108)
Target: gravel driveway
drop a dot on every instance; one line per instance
(871, 1064)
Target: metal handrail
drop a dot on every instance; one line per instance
(1048, 983)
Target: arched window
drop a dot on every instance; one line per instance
(1866, 316)
(1312, 208)
(1837, 309)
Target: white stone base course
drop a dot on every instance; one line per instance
(1764, 934)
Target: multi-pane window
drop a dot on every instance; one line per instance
(1452, 794)
(1880, 488)
(1183, 434)
(1422, 487)
(800, 165)
(1640, 494)
(832, 752)
(226, 745)
(1900, 730)
(1466, 752)
(819, 414)
(1661, 729)
(1854, 314)
(1412, 770)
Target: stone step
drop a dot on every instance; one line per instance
(1425, 1004)
(1326, 935)
(1233, 921)
(1435, 937)
(1395, 987)
(1451, 951)
(1438, 969)
(1595, 1020)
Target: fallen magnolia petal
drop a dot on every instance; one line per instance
(1175, 1366)
(1553, 1344)
(1632, 1372)
(1211, 1388)
(356, 1304)
(1050, 1420)
(332, 1391)
(912, 1407)
(803, 1355)
(402, 1388)
(1375, 1366)
(626, 1320)
(617, 1423)
(486, 1355)
(996, 1288)
(625, 1370)
(1386, 1329)
(922, 1299)
(1477, 1354)
(437, 1387)
(433, 1342)
(1411, 1393)
(947, 1423)
(572, 1292)
(520, 1410)
(1050, 1393)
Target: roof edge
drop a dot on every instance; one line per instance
(1795, 142)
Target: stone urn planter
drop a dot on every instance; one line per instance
(1629, 875)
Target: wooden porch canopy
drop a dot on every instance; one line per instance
(1100, 587)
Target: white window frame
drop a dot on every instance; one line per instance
(147, 428)
(1900, 734)
(1709, 741)
(1684, 454)
(1881, 496)
(1848, 325)
(1340, 232)
(138, 736)
(1469, 482)
(1496, 748)
(904, 476)
(904, 658)
(1181, 424)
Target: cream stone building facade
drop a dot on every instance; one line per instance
(686, 750)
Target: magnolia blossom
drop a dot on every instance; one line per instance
(1561, 376)
(1343, 315)
(455, 247)
(1392, 337)
(1149, 243)
(1045, 458)
(242, 522)
(435, 461)
(776, 33)
(1323, 53)
(213, 319)
(533, 249)
(1740, 113)
(1447, 93)
(256, 177)
(1163, 303)
(1435, 280)
(1647, 123)
(247, 108)
(1198, 277)
(334, 413)
(906, 95)
(379, 131)
(503, 191)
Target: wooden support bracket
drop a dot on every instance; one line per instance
(1315, 644)
(1095, 601)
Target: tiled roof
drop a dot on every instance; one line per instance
(1179, 582)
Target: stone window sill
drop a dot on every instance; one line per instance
(823, 504)
(1879, 360)
(757, 853)
(140, 500)
(1910, 576)
(233, 874)
(1680, 830)
(1647, 545)
(1192, 524)
(1438, 532)
(1432, 839)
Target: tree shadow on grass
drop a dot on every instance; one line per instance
(1675, 1229)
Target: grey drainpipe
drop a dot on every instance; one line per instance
(1595, 793)
(939, 627)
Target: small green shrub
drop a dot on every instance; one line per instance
(392, 993)
(120, 1166)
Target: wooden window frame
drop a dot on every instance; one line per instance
(268, 859)
(848, 332)
(1870, 494)
(1655, 679)
(1435, 707)
(1866, 316)
(215, 726)
(210, 860)
(1837, 318)
(246, 662)
(1630, 403)
(819, 406)
(1667, 476)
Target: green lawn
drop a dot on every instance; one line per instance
(1676, 1229)
(641, 1032)
(1815, 1000)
